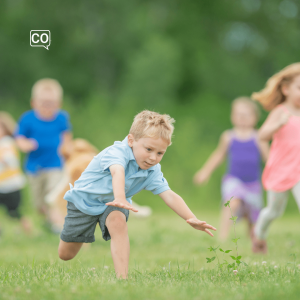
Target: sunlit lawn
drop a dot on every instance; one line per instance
(168, 261)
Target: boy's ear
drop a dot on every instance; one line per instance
(130, 139)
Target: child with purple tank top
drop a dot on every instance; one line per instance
(244, 152)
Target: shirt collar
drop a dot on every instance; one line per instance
(131, 156)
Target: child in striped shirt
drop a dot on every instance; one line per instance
(12, 179)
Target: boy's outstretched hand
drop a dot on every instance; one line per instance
(201, 225)
(122, 204)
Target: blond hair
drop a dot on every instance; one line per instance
(250, 103)
(7, 122)
(152, 124)
(47, 84)
(272, 94)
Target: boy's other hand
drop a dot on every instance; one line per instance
(122, 204)
(201, 225)
(33, 144)
(30, 145)
(26, 145)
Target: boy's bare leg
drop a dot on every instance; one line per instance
(225, 218)
(67, 251)
(120, 248)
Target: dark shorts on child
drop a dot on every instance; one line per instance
(11, 201)
(80, 227)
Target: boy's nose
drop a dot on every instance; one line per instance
(153, 157)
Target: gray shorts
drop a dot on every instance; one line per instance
(80, 227)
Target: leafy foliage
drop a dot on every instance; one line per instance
(236, 258)
(154, 50)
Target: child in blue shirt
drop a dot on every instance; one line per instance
(103, 192)
(40, 134)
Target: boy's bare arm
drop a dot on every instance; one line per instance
(215, 159)
(176, 203)
(118, 184)
(25, 144)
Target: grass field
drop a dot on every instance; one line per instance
(168, 261)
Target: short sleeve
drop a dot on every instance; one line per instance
(157, 183)
(114, 155)
(65, 121)
(23, 127)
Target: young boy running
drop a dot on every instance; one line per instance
(41, 133)
(104, 190)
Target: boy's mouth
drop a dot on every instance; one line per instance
(147, 164)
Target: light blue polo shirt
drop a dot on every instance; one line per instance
(94, 187)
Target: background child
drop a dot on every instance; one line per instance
(244, 152)
(41, 133)
(11, 178)
(282, 172)
(103, 192)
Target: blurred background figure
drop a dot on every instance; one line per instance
(12, 179)
(40, 134)
(282, 171)
(244, 153)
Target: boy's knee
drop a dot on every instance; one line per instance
(64, 256)
(117, 223)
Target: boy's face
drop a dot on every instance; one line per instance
(147, 151)
(46, 103)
